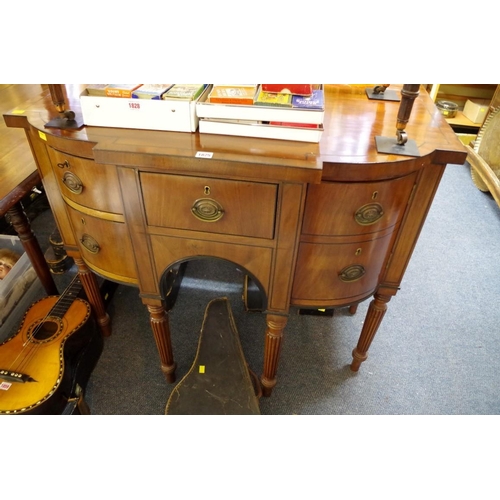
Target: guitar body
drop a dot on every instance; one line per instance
(42, 363)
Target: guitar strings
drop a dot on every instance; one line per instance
(33, 347)
(30, 348)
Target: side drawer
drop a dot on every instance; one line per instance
(86, 182)
(212, 205)
(342, 209)
(332, 274)
(105, 245)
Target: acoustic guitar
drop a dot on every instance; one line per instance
(39, 364)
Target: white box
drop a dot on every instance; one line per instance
(476, 111)
(18, 280)
(258, 113)
(261, 130)
(149, 114)
(229, 119)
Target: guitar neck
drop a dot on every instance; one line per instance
(66, 299)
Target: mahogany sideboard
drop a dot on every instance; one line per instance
(314, 225)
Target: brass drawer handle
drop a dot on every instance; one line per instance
(72, 182)
(369, 214)
(64, 164)
(352, 273)
(90, 243)
(207, 210)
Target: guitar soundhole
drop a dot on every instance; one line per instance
(46, 330)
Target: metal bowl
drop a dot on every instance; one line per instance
(447, 108)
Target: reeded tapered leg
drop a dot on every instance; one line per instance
(91, 287)
(161, 331)
(272, 349)
(374, 316)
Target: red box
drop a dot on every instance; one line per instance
(288, 88)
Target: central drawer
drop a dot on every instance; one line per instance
(213, 205)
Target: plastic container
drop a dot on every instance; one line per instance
(18, 280)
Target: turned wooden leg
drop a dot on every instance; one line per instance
(161, 331)
(91, 287)
(374, 317)
(353, 309)
(272, 348)
(22, 227)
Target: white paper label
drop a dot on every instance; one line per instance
(203, 154)
(5, 386)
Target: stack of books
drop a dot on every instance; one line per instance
(155, 91)
(150, 106)
(281, 111)
(185, 91)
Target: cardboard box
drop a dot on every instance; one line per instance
(265, 131)
(476, 111)
(173, 114)
(216, 111)
(18, 280)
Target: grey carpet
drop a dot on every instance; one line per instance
(437, 351)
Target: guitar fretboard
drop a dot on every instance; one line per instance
(67, 298)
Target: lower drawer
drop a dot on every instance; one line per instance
(105, 246)
(337, 274)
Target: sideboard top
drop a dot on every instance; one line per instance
(352, 122)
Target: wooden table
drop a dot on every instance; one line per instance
(19, 175)
(313, 225)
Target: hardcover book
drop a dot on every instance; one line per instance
(184, 91)
(251, 85)
(288, 88)
(151, 90)
(121, 89)
(232, 95)
(315, 101)
(273, 99)
(295, 125)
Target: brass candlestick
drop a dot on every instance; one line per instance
(67, 118)
(401, 145)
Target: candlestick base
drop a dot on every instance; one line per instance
(67, 120)
(390, 146)
(387, 95)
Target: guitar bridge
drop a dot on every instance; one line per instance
(10, 376)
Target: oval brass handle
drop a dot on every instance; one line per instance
(369, 214)
(64, 164)
(72, 182)
(207, 210)
(352, 273)
(90, 243)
